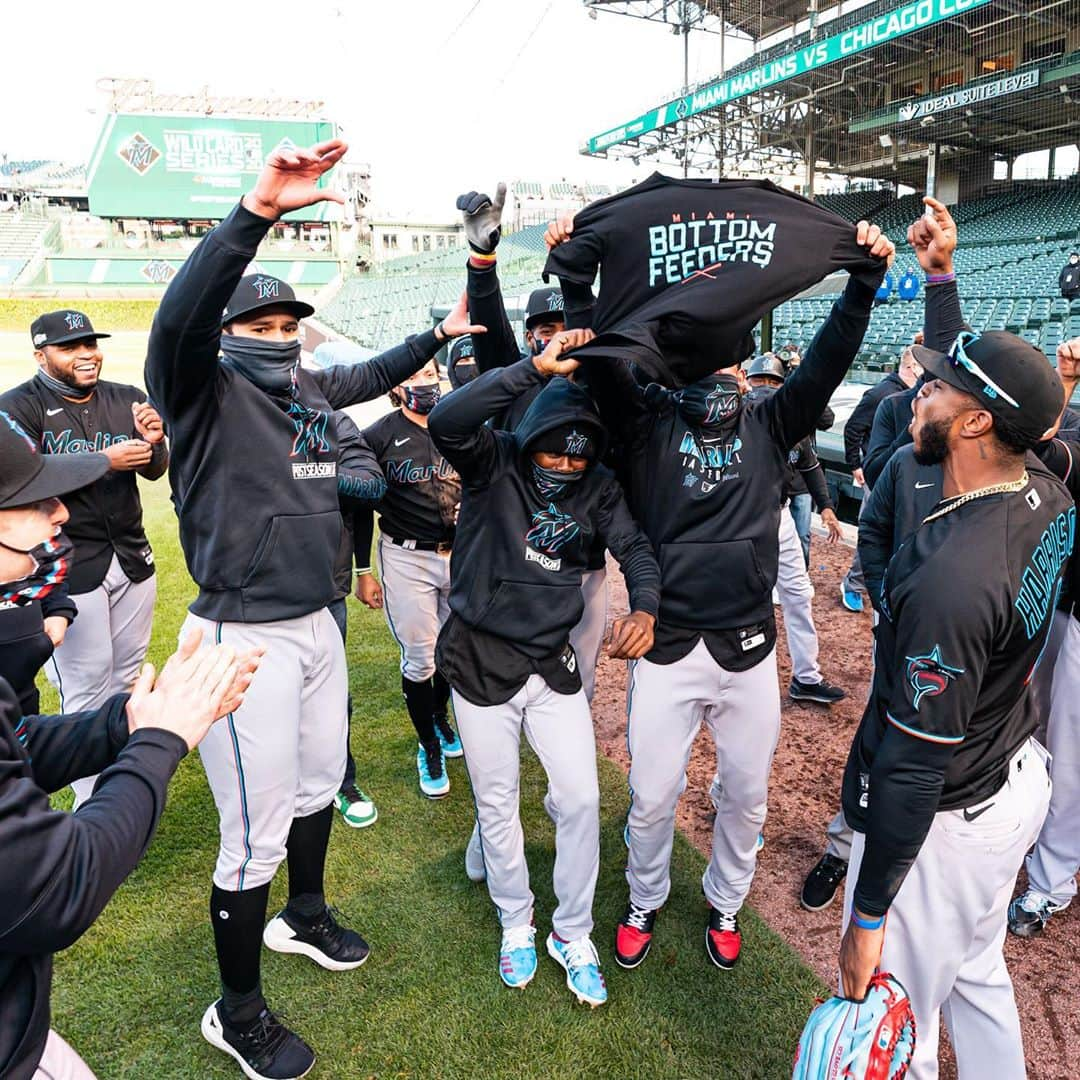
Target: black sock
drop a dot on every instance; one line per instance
(440, 690)
(237, 919)
(306, 847)
(419, 701)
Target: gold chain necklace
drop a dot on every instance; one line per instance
(994, 489)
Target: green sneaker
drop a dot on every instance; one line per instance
(355, 807)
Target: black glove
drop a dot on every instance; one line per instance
(483, 218)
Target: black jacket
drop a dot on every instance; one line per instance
(61, 869)
(106, 516)
(711, 510)
(360, 487)
(254, 479)
(857, 429)
(518, 559)
(24, 645)
(1069, 281)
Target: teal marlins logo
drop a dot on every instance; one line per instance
(928, 675)
(551, 530)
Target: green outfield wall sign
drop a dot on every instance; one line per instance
(189, 167)
(856, 39)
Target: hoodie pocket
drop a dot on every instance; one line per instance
(528, 612)
(295, 557)
(709, 577)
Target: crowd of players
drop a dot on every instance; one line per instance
(498, 505)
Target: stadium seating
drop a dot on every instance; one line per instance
(21, 238)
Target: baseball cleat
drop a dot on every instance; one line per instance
(1030, 912)
(722, 938)
(626, 835)
(582, 966)
(633, 935)
(355, 807)
(324, 940)
(760, 841)
(821, 883)
(517, 956)
(448, 738)
(434, 782)
(475, 868)
(824, 692)
(264, 1050)
(851, 599)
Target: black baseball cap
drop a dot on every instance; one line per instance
(461, 349)
(1010, 378)
(27, 475)
(257, 291)
(56, 327)
(766, 366)
(543, 303)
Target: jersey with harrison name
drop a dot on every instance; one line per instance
(423, 491)
(966, 609)
(688, 267)
(106, 516)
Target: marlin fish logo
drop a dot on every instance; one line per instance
(74, 320)
(555, 301)
(266, 288)
(576, 443)
(551, 530)
(928, 675)
(310, 431)
(720, 402)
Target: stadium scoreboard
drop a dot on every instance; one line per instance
(183, 167)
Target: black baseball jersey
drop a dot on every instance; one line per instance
(966, 611)
(106, 516)
(688, 268)
(422, 489)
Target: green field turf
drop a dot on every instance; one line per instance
(429, 1002)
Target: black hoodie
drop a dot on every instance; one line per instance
(518, 558)
(61, 869)
(254, 481)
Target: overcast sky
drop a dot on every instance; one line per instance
(438, 95)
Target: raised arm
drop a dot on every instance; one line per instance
(794, 409)
(182, 354)
(934, 238)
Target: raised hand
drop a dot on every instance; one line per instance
(871, 236)
(549, 362)
(289, 178)
(933, 237)
(483, 218)
(559, 230)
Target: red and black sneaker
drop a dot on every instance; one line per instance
(633, 935)
(722, 939)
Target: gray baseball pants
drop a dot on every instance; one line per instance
(946, 927)
(416, 593)
(281, 755)
(666, 705)
(559, 728)
(60, 1062)
(796, 593)
(103, 649)
(588, 635)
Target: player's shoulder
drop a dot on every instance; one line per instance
(108, 390)
(384, 427)
(23, 402)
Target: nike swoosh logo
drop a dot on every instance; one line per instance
(402, 442)
(52, 412)
(969, 816)
(919, 487)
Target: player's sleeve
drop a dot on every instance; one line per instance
(794, 409)
(1062, 457)
(884, 440)
(942, 316)
(942, 648)
(498, 347)
(363, 536)
(58, 601)
(458, 424)
(575, 263)
(876, 533)
(26, 410)
(621, 401)
(351, 384)
(813, 476)
(182, 351)
(631, 548)
(359, 476)
(858, 427)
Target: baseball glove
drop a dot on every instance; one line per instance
(871, 1039)
(483, 218)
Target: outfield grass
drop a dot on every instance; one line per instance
(429, 1002)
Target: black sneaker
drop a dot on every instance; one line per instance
(824, 692)
(264, 1050)
(323, 939)
(821, 883)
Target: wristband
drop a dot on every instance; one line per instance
(361, 571)
(867, 924)
(939, 279)
(483, 259)
(441, 336)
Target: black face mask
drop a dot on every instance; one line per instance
(710, 402)
(270, 365)
(421, 399)
(52, 558)
(551, 483)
